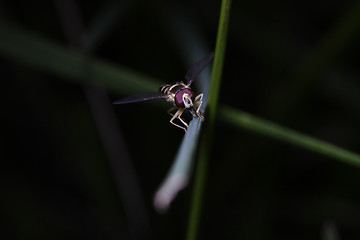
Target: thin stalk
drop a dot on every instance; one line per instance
(206, 144)
(244, 120)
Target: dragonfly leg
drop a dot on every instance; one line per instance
(198, 102)
(178, 115)
(171, 110)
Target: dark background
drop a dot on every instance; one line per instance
(291, 62)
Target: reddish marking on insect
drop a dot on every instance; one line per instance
(179, 97)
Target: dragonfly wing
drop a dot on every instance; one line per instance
(197, 68)
(141, 97)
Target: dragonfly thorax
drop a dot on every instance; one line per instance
(179, 93)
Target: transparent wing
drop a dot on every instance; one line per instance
(140, 97)
(197, 68)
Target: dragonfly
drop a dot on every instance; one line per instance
(179, 93)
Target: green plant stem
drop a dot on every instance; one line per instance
(219, 59)
(207, 139)
(199, 187)
(244, 120)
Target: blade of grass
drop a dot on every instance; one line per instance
(180, 171)
(206, 144)
(244, 120)
(30, 49)
(193, 49)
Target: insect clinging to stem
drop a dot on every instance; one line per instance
(180, 94)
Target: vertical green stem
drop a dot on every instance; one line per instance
(207, 139)
(198, 193)
(219, 59)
